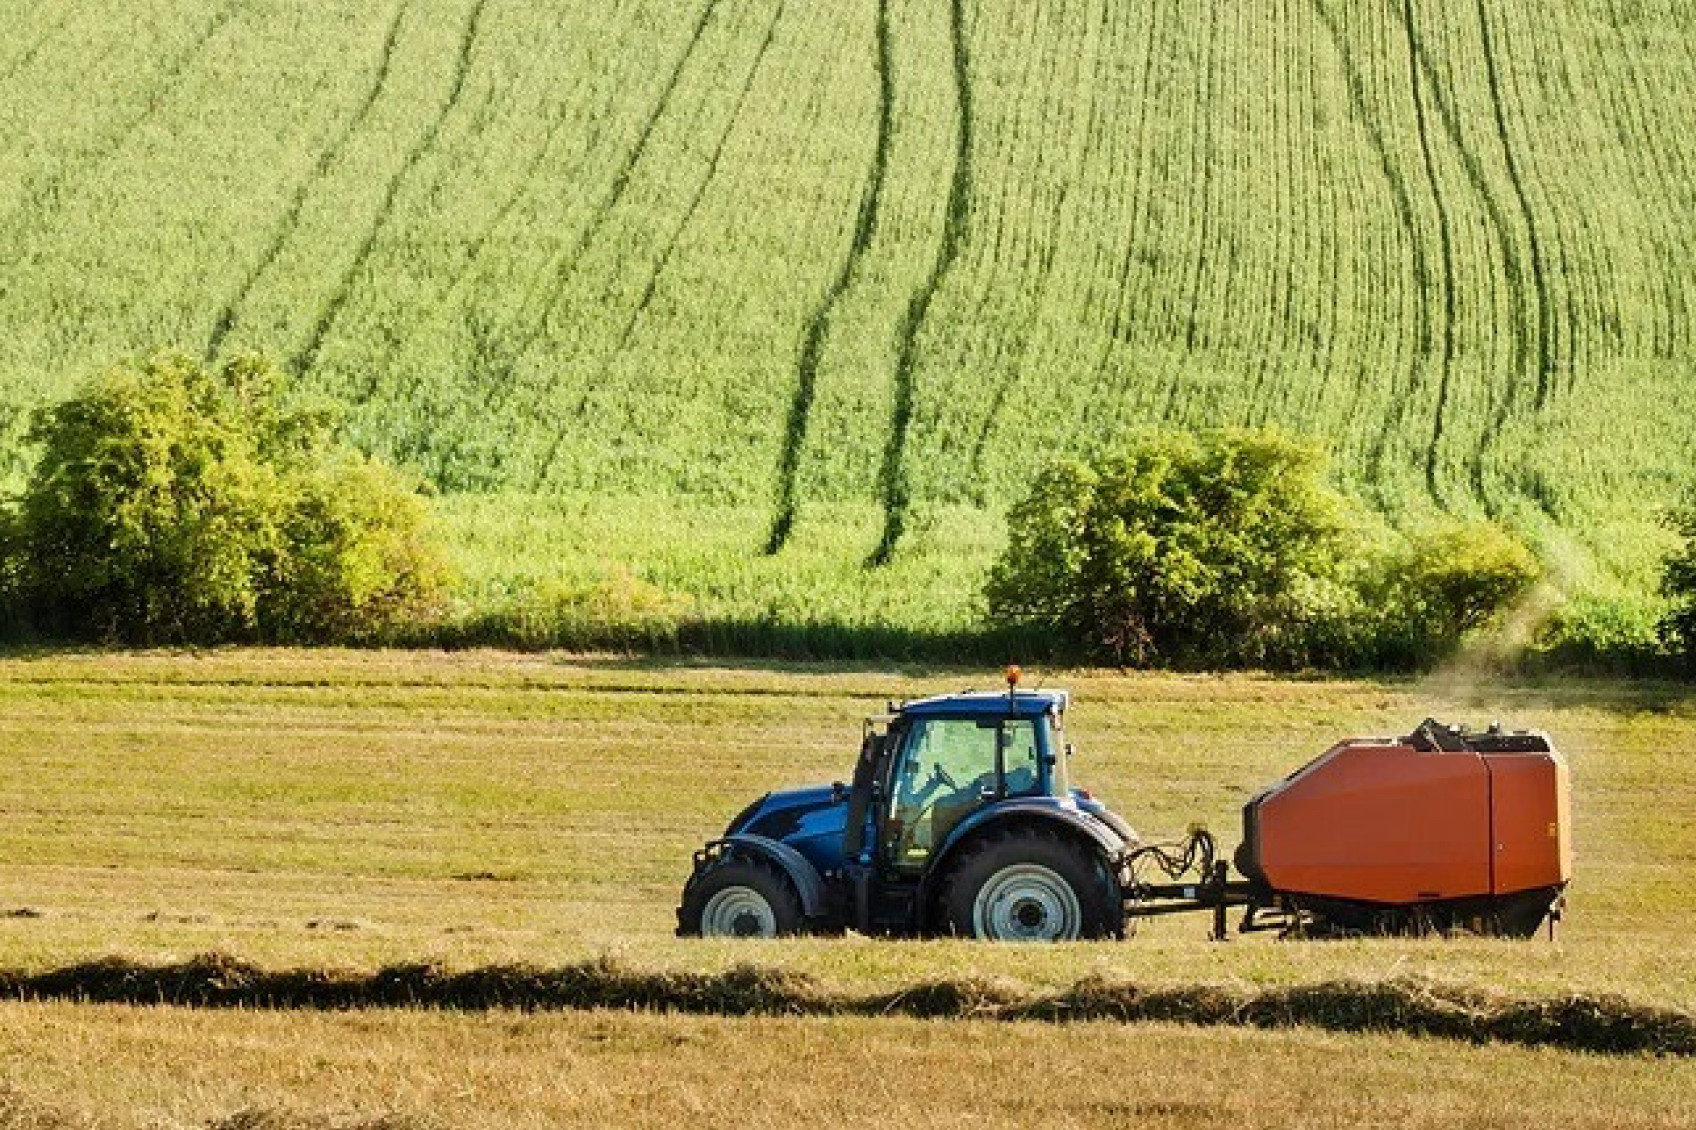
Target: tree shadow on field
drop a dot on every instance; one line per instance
(764, 645)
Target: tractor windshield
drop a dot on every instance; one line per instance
(948, 768)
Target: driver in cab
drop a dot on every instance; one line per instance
(952, 771)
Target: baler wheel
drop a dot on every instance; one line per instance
(1026, 885)
(737, 897)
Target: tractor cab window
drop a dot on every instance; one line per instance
(1020, 759)
(947, 770)
(1059, 771)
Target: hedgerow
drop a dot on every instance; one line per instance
(1228, 549)
(1678, 585)
(176, 503)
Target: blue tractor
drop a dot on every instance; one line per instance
(960, 819)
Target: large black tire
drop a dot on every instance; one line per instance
(735, 896)
(1029, 884)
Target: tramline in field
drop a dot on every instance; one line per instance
(961, 819)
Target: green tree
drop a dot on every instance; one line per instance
(1678, 584)
(1223, 549)
(359, 560)
(1438, 584)
(1228, 549)
(173, 502)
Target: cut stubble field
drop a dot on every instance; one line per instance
(348, 810)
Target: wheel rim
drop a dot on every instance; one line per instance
(738, 912)
(1026, 903)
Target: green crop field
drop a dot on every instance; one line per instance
(338, 811)
(825, 278)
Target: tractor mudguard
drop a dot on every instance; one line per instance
(802, 873)
(1031, 810)
(1095, 810)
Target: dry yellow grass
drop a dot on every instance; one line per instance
(348, 809)
(123, 1067)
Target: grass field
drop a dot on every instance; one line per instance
(427, 1070)
(345, 810)
(847, 272)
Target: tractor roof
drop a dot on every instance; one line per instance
(1024, 704)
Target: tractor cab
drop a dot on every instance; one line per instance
(939, 761)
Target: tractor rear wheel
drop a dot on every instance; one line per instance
(737, 897)
(1028, 885)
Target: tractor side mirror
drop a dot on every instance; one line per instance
(1070, 750)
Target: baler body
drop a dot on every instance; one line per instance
(1453, 829)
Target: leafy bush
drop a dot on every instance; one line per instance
(175, 503)
(1228, 549)
(1220, 549)
(1437, 585)
(12, 620)
(1678, 585)
(359, 561)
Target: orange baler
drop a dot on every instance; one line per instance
(1442, 829)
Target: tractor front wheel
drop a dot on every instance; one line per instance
(1027, 885)
(736, 897)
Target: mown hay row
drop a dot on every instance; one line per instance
(1579, 1022)
(21, 1110)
